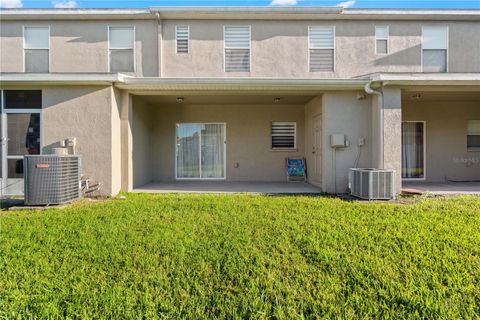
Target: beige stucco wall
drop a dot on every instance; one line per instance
(247, 134)
(90, 114)
(80, 46)
(344, 113)
(446, 140)
(280, 48)
(142, 127)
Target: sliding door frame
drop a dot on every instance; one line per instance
(200, 153)
(424, 151)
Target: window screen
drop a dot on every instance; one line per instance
(283, 135)
(321, 41)
(381, 39)
(121, 44)
(36, 48)
(237, 48)
(23, 99)
(473, 134)
(182, 36)
(434, 49)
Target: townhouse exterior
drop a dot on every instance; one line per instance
(227, 93)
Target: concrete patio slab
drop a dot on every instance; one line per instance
(229, 187)
(446, 188)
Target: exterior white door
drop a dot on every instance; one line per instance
(316, 167)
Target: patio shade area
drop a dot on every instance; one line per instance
(229, 187)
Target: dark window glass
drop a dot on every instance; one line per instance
(23, 99)
(473, 141)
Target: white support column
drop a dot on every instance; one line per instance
(387, 132)
(127, 141)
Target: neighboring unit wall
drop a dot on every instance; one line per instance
(80, 46)
(85, 113)
(447, 157)
(344, 113)
(247, 134)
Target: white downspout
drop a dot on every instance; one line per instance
(368, 89)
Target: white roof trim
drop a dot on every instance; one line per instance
(266, 12)
(59, 78)
(253, 84)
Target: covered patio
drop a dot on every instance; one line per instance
(227, 187)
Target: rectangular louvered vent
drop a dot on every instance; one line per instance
(237, 48)
(321, 41)
(182, 35)
(283, 135)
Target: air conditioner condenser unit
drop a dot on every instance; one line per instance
(372, 184)
(52, 179)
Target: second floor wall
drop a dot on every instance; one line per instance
(278, 49)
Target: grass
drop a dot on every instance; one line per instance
(240, 256)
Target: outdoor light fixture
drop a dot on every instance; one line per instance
(416, 96)
(180, 99)
(277, 99)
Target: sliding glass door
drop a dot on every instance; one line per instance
(413, 150)
(200, 151)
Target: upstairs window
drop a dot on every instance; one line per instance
(36, 44)
(321, 46)
(121, 42)
(473, 135)
(381, 39)
(182, 34)
(284, 135)
(434, 49)
(237, 48)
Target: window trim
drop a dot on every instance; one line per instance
(448, 46)
(295, 147)
(424, 178)
(387, 39)
(472, 149)
(188, 38)
(334, 50)
(49, 46)
(133, 46)
(249, 46)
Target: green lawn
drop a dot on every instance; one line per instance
(239, 256)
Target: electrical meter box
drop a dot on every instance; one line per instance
(337, 140)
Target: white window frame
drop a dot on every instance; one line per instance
(4, 112)
(200, 153)
(188, 38)
(133, 47)
(472, 149)
(448, 46)
(249, 46)
(424, 151)
(49, 45)
(334, 50)
(387, 39)
(294, 136)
